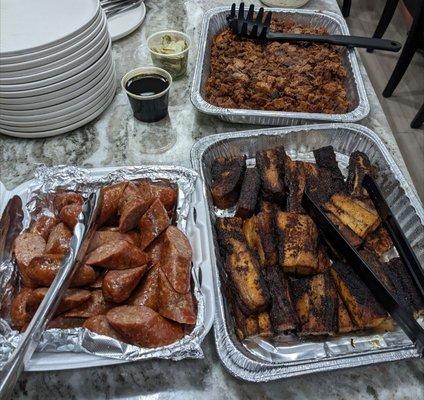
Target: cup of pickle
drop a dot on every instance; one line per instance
(169, 50)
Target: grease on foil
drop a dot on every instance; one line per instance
(48, 180)
(260, 359)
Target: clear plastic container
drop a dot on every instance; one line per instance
(174, 63)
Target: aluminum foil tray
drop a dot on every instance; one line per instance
(214, 21)
(258, 359)
(80, 348)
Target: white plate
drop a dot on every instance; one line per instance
(65, 110)
(62, 128)
(63, 71)
(125, 23)
(55, 59)
(55, 90)
(70, 76)
(55, 103)
(28, 25)
(49, 115)
(33, 55)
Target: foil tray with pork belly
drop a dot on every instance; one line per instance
(280, 276)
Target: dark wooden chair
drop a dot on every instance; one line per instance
(418, 119)
(414, 41)
(346, 7)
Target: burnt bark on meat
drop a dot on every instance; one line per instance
(249, 194)
(227, 177)
(359, 166)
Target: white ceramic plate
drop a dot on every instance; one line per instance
(28, 25)
(62, 72)
(63, 127)
(44, 115)
(123, 24)
(36, 54)
(64, 79)
(55, 90)
(31, 107)
(55, 59)
(65, 115)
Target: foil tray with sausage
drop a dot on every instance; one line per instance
(140, 292)
(287, 303)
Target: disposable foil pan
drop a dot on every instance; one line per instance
(214, 22)
(84, 348)
(258, 359)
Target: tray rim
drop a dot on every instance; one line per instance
(40, 360)
(255, 370)
(232, 114)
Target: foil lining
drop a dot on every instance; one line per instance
(35, 192)
(214, 21)
(258, 359)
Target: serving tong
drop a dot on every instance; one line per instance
(83, 231)
(259, 28)
(400, 313)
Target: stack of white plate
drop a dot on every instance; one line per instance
(56, 67)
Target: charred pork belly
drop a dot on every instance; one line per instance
(227, 177)
(378, 241)
(359, 301)
(344, 322)
(242, 267)
(259, 233)
(404, 286)
(353, 213)
(359, 166)
(270, 165)
(282, 313)
(316, 304)
(347, 233)
(298, 243)
(249, 194)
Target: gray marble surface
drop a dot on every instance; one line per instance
(117, 139)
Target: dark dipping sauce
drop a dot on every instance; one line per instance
(148, 109)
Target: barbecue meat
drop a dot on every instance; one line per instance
(282, 313)
(378, 241)
(249, 194)
(359, 301)
(227, 177)
(242, 268)
(353, 213)
(359, 166)
(298, 236)
(270, 165)
(345, 323)
(316, 304)
(299, 77)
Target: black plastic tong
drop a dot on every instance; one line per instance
(401, 314)
(259, 28)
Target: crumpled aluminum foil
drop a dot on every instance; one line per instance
(259, 359)
(214, 21)
(36, 192)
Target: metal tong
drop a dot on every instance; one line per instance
(83, 231)
(401, 314)
(259, 28)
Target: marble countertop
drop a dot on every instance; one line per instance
(115, 139)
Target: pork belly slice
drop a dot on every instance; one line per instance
(378, 241)
(359, 166)
(242, 267)
(344, 322)
(282, 313)
(346, 232)
(353, 213)
(298, 243)
(227, 178)
(404, 286)
(249, 194)
(358, 299)
(259, 233)
(316, 304)
(270, 165)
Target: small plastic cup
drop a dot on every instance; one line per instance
(176, 63)
(148, 107)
